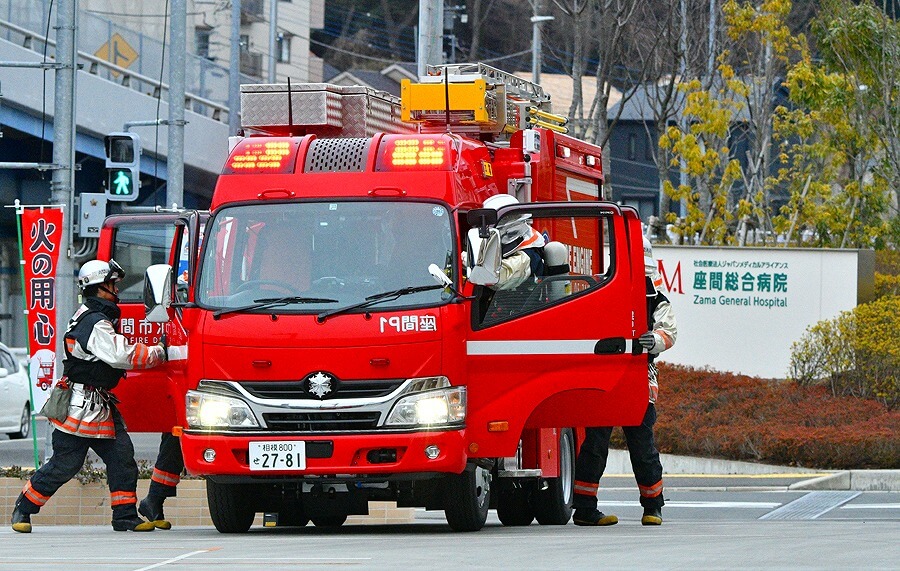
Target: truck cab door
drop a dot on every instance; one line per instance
(561, 350)
(150, 398)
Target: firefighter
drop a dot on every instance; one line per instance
(163, 482)
(591, 461)
(521, 246)
(96, 357)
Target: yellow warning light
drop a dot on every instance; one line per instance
(408, 153)
(262, 156)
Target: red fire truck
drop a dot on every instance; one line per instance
(333, 337)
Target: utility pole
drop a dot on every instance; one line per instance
(62, 186)
(234, 76)
(273, 38)
(711, 42)
(536, 40)
(177, 56)
(683, 180)
(431, 39)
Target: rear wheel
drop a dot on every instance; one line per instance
(24, 424)
(553, 505)
(468, 498)
(514, 504)
(329, 520)
(229, 506)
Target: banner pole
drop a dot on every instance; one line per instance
(19, 211)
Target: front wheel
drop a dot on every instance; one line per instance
(553, 505)
(229, 506)
(468, 498)
(24, 424)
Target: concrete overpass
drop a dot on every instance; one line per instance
(107, 97)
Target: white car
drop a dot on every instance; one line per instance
(15, 400)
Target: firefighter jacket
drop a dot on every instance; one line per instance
(96, 358)
(661, 322)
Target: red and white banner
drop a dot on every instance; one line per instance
(41, 238)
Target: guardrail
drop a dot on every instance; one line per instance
(124, 77)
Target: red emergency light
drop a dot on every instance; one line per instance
(405, 152)
(269, 155)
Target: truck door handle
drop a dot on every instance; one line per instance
(617, 346)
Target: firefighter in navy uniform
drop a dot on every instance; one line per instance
(96, 357)
(591, 461)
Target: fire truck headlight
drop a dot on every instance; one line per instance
(215, 411)
(431, 408)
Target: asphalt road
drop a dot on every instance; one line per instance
(702, 530)
(711, 522)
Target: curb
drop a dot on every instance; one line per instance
(855, 480)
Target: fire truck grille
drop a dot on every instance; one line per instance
(336, 155)
(345, 390)
(320, 421)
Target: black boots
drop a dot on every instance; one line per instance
(593, 517)
(152, 509)
(21, 521)
(133, 523)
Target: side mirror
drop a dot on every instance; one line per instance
(484, 257)
(482, 218)
(158, 292)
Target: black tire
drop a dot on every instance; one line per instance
(229, 506)
(514, 504)
(553, 506)
(24, 424)
(468, 498)
(330, 520)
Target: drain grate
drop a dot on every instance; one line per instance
(811, 506)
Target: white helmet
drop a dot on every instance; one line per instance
(97, 272)
(500, 200)
(650, 265)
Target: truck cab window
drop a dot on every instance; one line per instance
(339, 251)
(136, 247)
(569, 268)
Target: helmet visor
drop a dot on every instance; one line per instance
(116, 273)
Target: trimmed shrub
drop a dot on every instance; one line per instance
(722, 415)
(854, 354)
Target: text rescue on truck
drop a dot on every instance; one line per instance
(323, 365)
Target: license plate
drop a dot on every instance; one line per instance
(277, 455)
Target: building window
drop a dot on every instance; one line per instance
(632, 146)
(284, 48)
(245, 42)
(201, 40)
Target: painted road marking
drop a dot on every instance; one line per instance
(174, 559)
(698, 504)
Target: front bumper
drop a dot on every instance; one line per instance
(348, 454)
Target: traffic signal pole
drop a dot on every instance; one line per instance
(62, 187)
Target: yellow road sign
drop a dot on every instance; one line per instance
(118, 52)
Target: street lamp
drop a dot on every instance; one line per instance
(536, 45)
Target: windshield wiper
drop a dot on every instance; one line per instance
(378, 298)
(265, 302)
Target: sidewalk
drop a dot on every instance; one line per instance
(809, 479)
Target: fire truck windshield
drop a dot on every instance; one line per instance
(318, 256)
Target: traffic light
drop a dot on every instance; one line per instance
(123, 160)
